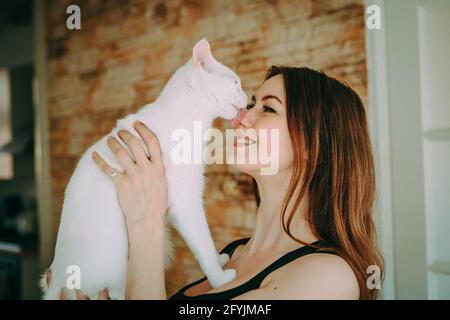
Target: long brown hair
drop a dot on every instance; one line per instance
(327, 122)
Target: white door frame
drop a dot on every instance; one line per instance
(395, 119)
(378, 114)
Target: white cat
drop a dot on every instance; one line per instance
(92, 233)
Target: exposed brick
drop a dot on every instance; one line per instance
(127, 49)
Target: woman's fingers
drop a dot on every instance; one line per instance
(63, 294)
(121, 154)
(104, 294)
(134, 145)
(150, 140)
(81, 295)
(105, 167)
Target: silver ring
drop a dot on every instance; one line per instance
(115, 172)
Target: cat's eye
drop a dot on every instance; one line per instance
(249, 105)
(236, 81)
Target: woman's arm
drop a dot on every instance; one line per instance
(145, 270)
(142, 193)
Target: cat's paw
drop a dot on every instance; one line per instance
(223, 258)
(225, 277)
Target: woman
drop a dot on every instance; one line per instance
(314, 236)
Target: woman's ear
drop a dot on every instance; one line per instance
(202, 55)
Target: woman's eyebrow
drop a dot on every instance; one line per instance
(269, 96)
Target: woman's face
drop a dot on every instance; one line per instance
(266, 115)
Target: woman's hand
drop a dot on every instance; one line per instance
(142, 189)
(142, 193)
(63, 295)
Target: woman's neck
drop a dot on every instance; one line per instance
(269, 233)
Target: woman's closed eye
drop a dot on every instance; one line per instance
(269, 109)
(266, 108)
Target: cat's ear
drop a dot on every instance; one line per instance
(201, 53)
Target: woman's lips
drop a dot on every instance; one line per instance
(243, 141)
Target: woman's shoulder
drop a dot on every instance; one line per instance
(317, 276)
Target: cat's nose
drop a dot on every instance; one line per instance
(237, 121)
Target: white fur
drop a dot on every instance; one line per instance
(92, 232)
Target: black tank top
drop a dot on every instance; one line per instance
(254, 282)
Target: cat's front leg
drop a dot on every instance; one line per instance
(223, 258)
(189, 220)
(185, 191)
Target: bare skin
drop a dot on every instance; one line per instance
(143, 198)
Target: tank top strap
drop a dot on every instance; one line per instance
(229, 249)
(256, 281)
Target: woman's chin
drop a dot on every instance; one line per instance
(250, 169)
(241, 160)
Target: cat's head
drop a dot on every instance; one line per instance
(220, 84)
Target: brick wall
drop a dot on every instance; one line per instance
(127, 50)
